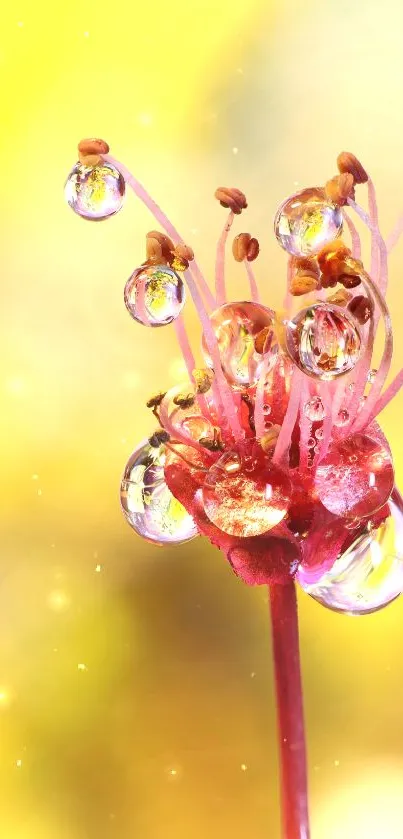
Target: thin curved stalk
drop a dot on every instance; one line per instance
(220, 261)
(290, 715)
(253, 286)
(163, 220)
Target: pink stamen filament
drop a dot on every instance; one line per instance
(220, 261)
(284, 438)
(381, 376)
(254, 291)
(305, 426)
(184, 345)
(395, 235)
(355, 236)
(163, 220)
(388, 395)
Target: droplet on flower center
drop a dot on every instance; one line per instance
(355, 478)
(314, 410)
(244, 494)
(236, 326)
(306, 222)
(323, 341)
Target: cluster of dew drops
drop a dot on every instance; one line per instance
(280, 396)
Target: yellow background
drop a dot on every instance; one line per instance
(136, 696)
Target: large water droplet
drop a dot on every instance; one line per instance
(244, 494)
(355, 478)
(368, 574)
(314, 410)
(95, 192)
(181, 407)
(154, 295)
(323, 341)
(149, 506)
(237, 326)
(306, 222)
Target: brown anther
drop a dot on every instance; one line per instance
(361, 308)
(350, 280)
(184, 401)
(251, 410)
(269, 439)
(156, 400)
(245, 247)
(231, 198)
(203, 379)
(340, 298)
(159, 247)
(332, 259)
(90, 151)
(347, 162)
(240, 246)
(339, 188)
(303, 282)
(261, 339)
(93, 146)
(253, 250)
(214, 444)
(158, 438)
(181, 257)
(305, 264)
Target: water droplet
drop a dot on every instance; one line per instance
(368, 571)
(355, 478)
(180, 407)
(95, 192)
(371, 376)
(342, 418)
(246, 503)
(306, 222)
(148, 505)
(267, 409)
(154, 295)
(311, 442)
(319, 433)
(323, 341)
(236, 326)
(314, 410)
(268, 424)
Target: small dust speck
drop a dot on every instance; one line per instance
(82, 667)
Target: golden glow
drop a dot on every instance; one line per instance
(162, 661)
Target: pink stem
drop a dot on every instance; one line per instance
(220, 261)
(290, 714)
(284, 438)
(355, 236)
(163, 220)
(254, 291)
(388, 395)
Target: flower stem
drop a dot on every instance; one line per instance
(294, 793)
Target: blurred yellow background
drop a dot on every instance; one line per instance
(136, 695)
